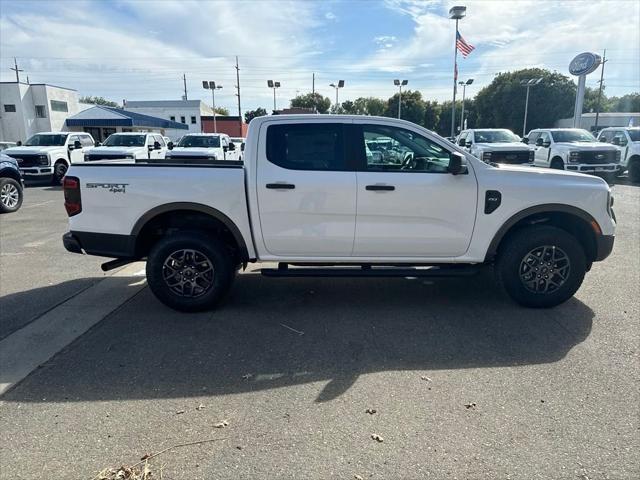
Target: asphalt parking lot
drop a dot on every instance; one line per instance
(464, 383)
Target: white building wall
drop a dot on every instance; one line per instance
(177, 112)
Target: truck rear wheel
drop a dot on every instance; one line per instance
(541, 266)
(189, 271)
(634, 170)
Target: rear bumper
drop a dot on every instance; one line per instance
(604, 246)
(101, 244)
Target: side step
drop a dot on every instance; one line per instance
(283, 270)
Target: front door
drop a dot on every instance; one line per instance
(76, 155)
(543, 150)
(306, 195)
(408, 203)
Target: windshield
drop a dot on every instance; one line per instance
(495, 136)
(634, 135)
(47, 140)
(116, 140)
(199, 141)
(572, 136)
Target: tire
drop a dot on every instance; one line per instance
(11, 195)
(519, 258)
(190, 281)
(59, 171)
(610, 178)
(634, 171)
(557, 164)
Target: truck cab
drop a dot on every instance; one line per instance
(202, 148)
(132, 146)
(497, 145)
(573, 149)
(627, 140)
(49, 154)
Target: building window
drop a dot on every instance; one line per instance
(9, 107)
(58, 106)
(40, 111)
(183, 119)
(193, 120)
(172, 118)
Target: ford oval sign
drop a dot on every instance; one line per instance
(584, 64)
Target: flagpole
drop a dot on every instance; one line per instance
(455, 69)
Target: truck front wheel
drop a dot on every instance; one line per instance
(189, 271)
(59, 171)
(541, 266)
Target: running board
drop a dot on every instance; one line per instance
(283, 270)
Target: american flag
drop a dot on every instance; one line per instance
(464, 47)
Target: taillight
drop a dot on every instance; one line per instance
(72, 200)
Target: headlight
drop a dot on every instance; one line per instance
(486, 157)
(43, 159)
(574, 157)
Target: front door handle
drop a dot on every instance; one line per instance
(380, 188)
(280, 186)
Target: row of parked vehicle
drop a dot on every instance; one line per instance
(615, 151)
(49, 154)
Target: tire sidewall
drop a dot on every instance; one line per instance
(212, 248)
(525, 241)
(4, 181)
(57, 179)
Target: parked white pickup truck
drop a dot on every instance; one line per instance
(309, 198)
(496, 145)
(627, 140)
(574, 149)
(134, 146)
(49, 154)
(202, 148)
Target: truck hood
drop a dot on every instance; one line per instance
(511, 146)
(550, 174)
(116, 150)
(30, 150)
(588, 146)
(193, 151)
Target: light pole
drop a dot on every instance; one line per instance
(400, 84)
(464, 89)
(455, 13)
(274, 85)
(213, 87)
(340, 84)
(528, 83)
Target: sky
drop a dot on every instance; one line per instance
(139, 49)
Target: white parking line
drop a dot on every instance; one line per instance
(38, 204)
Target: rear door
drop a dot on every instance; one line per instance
(408, 203)
(306, 191)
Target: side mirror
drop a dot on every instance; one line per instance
(170, 145)
(156, 146)
(77, 145)
(455, 166)
(615, 141)
(525, 140)
(468, 144)
(242, 147)
(539, 142)
(232, 146)
(462, 142)
(225, 148)
(19, 143)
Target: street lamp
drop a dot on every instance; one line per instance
(455, 13)
(274, 85)
(528, 84)
(213, 87)
(339, 85)
(400, 84)
(464, 89)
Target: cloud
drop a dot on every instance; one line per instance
(330, 16)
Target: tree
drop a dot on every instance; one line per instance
(222, 111)
(627, 103)
(413, 107)
(312, 100)
(251, 114)
(98, 101)
(431, 115)
(501, 103)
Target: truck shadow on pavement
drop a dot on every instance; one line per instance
(275, 333)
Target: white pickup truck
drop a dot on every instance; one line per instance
(202, 148)
(310, 198)
(627, 140)
(49, 154)
(133, 146)
(575, 150)
(496, 145)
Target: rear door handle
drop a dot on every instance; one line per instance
(281, 186)
(380, 188)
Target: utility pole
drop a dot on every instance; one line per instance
(604, 60)
(238, 88)
(313, 90)
(184, 79)
(16, 69)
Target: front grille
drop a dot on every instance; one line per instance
(597, 157)
(92, 157)
(510, 157)
(27, 160)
